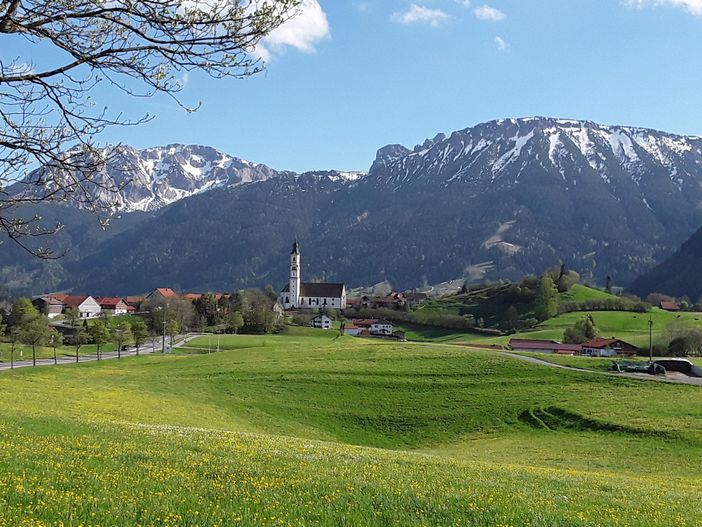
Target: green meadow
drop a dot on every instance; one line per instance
(310, 428)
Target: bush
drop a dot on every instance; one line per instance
(604, 304)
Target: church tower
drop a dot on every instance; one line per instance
(295, 275)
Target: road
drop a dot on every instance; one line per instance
(145, 350)
(674, 377)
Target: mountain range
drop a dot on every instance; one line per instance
(497, 200)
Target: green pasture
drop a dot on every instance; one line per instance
(313, 428)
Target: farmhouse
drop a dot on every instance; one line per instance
(298, 294)
(322, 322)
(602, 347)
(114, 305)
(87, 306)
(381, 327)
(544, 346)
(352, 330)
(51, 307)
(669, 306)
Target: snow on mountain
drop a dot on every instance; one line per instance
(156, 177)
(498, 151)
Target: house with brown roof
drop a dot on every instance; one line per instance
(604, 347)
(87, 306)
(162, 293)
(544, 346)
(113, 305)
(669, 306)
(49, 306)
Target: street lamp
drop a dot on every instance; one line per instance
(650, 338)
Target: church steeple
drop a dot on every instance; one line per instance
(295, 275)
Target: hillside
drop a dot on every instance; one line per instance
(275, 431)
(678, 275)
(498, 200)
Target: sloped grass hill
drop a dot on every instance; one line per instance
(492, 303)
(329, 430)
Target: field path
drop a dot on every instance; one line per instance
(673, 377)
(146, 350)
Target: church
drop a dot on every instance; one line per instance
(308, 295)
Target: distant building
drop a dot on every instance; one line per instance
(669, 306)
(51, 307)
(87, 306)
(602, 347)
(322, 322)
(381, 327)
(114, 305)
(544, 346)
(135, 301)
(161, 293)
(298, 294)
(352, 330)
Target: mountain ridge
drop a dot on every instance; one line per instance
(497, 200)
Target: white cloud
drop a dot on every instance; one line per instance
(693, 7)
(464, 3)
(501, 43)
(420, 14)
(302, 32)
(491, 14)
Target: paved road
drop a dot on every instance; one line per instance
(145, 350)
(674, 377)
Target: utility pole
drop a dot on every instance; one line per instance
(163, 339)
(650, 338)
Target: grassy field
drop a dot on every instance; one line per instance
(309, 428)
(629, 326)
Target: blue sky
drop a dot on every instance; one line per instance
(348, 76)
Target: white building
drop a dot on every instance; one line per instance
(381, 327)
(307, 295)
(322, 322)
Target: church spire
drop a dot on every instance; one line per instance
(295, 248)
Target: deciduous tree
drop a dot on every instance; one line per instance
(137, 48)
(140, 332)
(35, 332)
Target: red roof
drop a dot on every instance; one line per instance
(350, 326)
(364, 322)
(670, 306)
(532, 344)
(134, 299)
(601, 343)
(192, 296)
(57, 296)
(111, 302)
(73, 300)
(167, 292)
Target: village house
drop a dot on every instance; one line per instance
(544, 346)
(114, 305)
(87, 306)
(603, 347)
(381, 327)
(307, 295)
(352, 330)
(51, 307)
(669, 306)
(322, 322)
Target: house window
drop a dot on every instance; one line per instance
(287, 300)
(325, 301)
